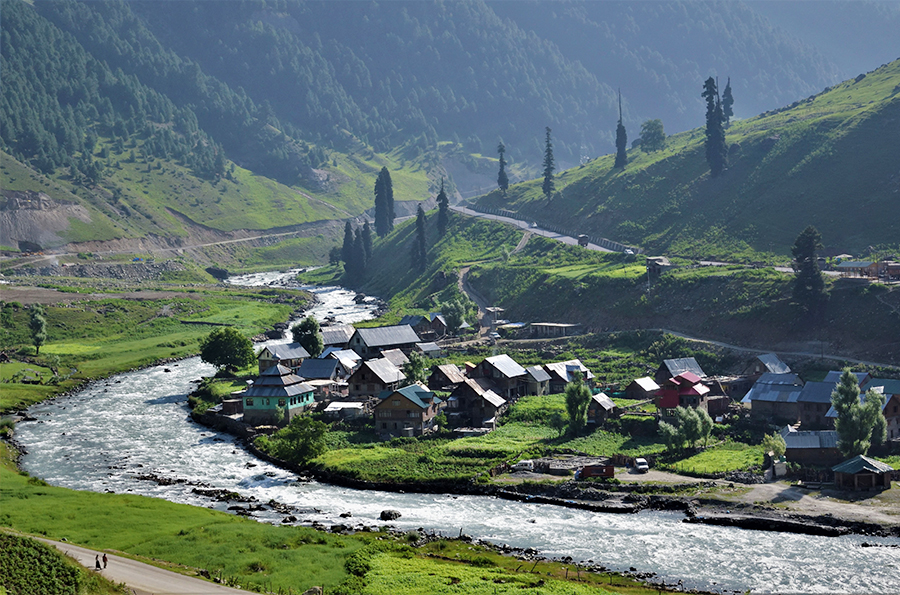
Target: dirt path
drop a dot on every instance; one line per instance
(144, 579)
(522, 242)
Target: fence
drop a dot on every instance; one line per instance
(602, 242)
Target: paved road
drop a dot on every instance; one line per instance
(523, 225)
(144, 579)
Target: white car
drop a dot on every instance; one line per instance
(640, 465)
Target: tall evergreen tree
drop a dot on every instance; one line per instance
(384, 203)
(502, 178)
(621, 140)
(420, 242)
(359, 260)
(727, 102)
(368, 242)
(347, 246)
(549, 166)
(443, 210)
(809, 284)
(859, 423)
(716, 150)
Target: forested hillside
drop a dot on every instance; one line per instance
(828, 161)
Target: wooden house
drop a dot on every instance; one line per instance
(370, 342)
(813, 404)
(673, 367)
(337, 335)
(562, 373)
(475, 404)
(641, 389)
(600, 408)
(863, 473)
(774, 397)
(555, 329)
(374, 377)
(890, 389)
(408, 411)
(810, 447)
(290, 355)
(277, 395)
(857, 268)
(537, 382)
(767, 363)
(682, 390)
(508, 377)
(396, 357)
(445, 377)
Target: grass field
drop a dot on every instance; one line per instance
(730, 456)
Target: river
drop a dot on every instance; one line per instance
(115, 433)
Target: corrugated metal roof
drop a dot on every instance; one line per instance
(835, 376)
(385, 370)
(683, 364)
(386, 336)
(772, 393)
(286, 351)
(418, 394)
(453, 373)
(506, 365)
(854, 264)
(337, 334)
(816, 392)
(412, 319)
(538, 373)
(832, 412)
(861, 463)
(277, 381)
(774, 364)
(493, 398)
(647, 384)
(795, 439)
(891, 387)
(428, 347)
(565, 370)
(395, 356)
(785, 379)
(318, 368)
(603, 401)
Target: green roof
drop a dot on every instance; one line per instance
(420, 396)
(861, 463)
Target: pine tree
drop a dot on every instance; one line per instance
(359, 260)
(621, 140)
(443, 210)
(347, 246)
(549, 166)
(727, 102)
(420, 245)
(368, 243)
(809, 285)
(389, 189)
(859, 424)
(384, 203)
(502, 178)
(716, 150)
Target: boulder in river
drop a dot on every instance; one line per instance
(390, 515)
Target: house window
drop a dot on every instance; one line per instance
(249, 402)
(395, 402)
(384, 426)
(281, 402)
(267, 401)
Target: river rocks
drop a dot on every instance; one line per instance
(389, 515)
(346, 515)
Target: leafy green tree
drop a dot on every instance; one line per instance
(502, 178)
(384, 203)
(38, 325)
(621, 140)
(578, 396)
(809, 284)
(306, 332)
(653, 136)
(690, 426)
(549, 165)
(227, 348)
(420, 245)
(716, 150)
(454, 314)
(443, 210)
(301, 441)
(775, 444)
(670, 436)
(558, 422)
(859, 423)
(727, 102)
(416, 369)
(706, 425)
(347, 246)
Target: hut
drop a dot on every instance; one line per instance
(862, 473)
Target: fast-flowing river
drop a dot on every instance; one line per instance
(118, 432)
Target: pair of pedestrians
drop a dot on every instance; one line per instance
(97, 562)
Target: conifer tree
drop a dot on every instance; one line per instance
(384, 203)
(809, 285)
(359, 261)
(420, 245)
(727, 102)
(621, 140)
(716, 151)
(443, 210)
(859, 424)
(502, 178)
(347, 246)
(549, 166)
(368, 242)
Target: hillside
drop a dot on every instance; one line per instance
(816, 162)
(553, 282)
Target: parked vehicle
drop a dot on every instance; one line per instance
(524, 465)
(589, 471)
(583, 241)
(640, 465)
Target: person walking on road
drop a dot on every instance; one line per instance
(105, 560)
(97, 562)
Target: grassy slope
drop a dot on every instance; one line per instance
(814, 162)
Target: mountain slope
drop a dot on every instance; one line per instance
(828, 161)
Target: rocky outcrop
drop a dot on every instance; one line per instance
(136, 271)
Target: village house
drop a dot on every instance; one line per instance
(428, 349)
(396, 357)
(345, 410)
(562, 373)
(810, 447)
(641, 389)
(275, 397)
(508, 377)
(337, 335)
(370, 342)
(374, 377)
(890, 389)
(445, 377)
(857, 268)
(673, 367)
(682, 390)
(774, 397)
(600, 408)
(289, 355)
(432, 325)
(813, 404)
(537, 382)
(555, 329)
(408, 411)
(348, 359)
(767, 363)
(657, 265)
(863, 473)
(473, 403)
